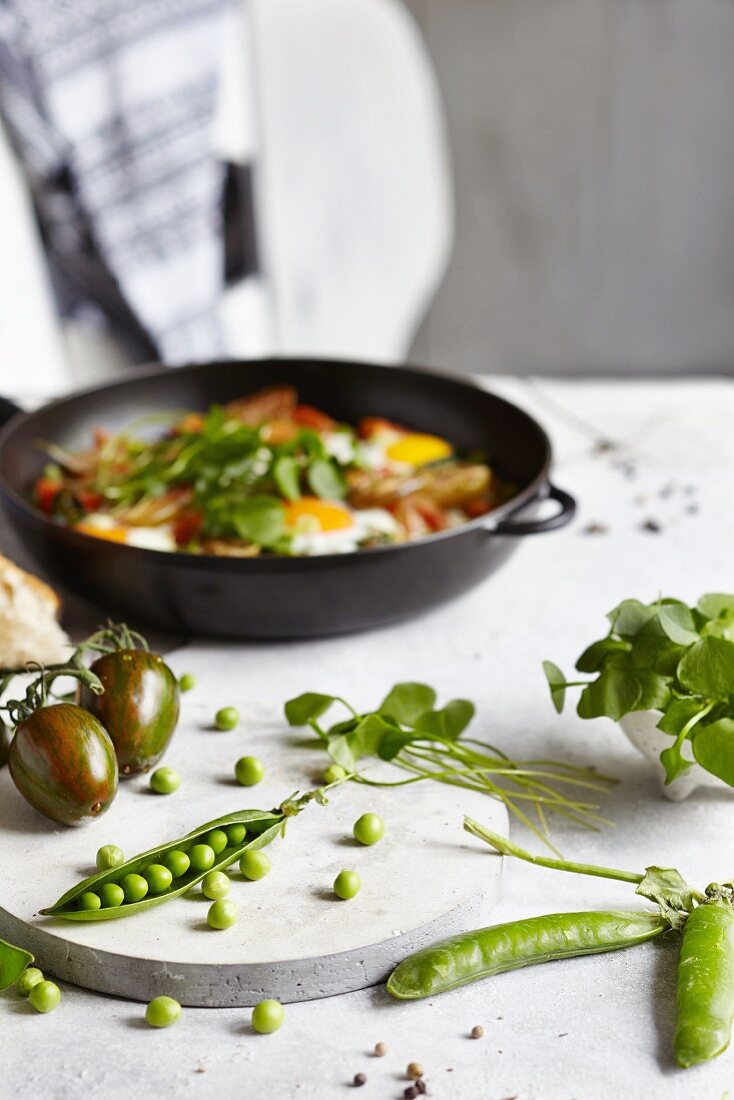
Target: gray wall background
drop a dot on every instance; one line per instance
(593, 146)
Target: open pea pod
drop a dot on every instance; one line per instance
(13, 961)
(262, 827)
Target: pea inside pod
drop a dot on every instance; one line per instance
(172, 858)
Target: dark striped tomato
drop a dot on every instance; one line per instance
(63, 762)
(139, 707)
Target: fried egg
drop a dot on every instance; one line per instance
(102, 526)
(402, 452)
(330, 527)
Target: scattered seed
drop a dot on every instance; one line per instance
(420, 1086)
(410, 1093)
(414, 1070)
(604, 446)
(477, 1032)
(692, 509)
(651, 526)
(380, 1050)
(562, 1034)
(360, 1079)
(595, 529)
(666, 491)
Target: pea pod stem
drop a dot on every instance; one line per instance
(507, 848)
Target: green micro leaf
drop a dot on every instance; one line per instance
(259, 519)
(286, 474)
(450, 721)
(654, 690)
(614, 694)
(556, 683)
(326, 480)
(713, 748)
(629, 617)
(716, 604)
(677, 622)
(307, 707)
(674, 761)
(594, 655)
(407, 702)
(678, 714)
(708, 668)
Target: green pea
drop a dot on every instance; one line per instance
(347, 884)
(111, 895)
(222, 914)
(187, 682)
(236, 835)
(44, 996)
(89, 901)
(158, 877)
(164, 781)
(201, 857)
(217, 840)
(162, 1012)
(248, 771)
(109, 856)
(226, 718)
(369, 828)
(334, 773)
(177, 862)
(215, 885)
(134, 887)
(31, 976)
(268, 1016)
(254, 865)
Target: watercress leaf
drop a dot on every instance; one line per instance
(678, 714)
(310, 705)
(722, 626)
(340, 751)
(708, 668)
(450, 721)
(713, 605)
(677, 622)
(594, 655)
(556, 683)
(394, 741)
(259, 519)
(364, 740)
(654, 690)
(713, 748)
(674, 762)
(653, 649)
(668, 889)
(286, 477)
(326, 480)
(615, 693)
(629, 617)
(407, 702)
(345, 725)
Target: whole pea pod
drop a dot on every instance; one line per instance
(487, 951)
(114, 893)
(705, 983)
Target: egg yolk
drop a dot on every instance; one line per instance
(329, 515)
(417, 450)
(112, 534)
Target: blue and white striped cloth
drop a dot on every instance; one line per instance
(110, 105)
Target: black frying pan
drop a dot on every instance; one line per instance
(285, 597)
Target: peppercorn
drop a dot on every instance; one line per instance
(477, 1032)
(421, 1086)
(410, 1093)
(414, 1070)
(360, 1079)
(380, 1050)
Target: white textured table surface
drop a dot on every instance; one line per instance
(586, 1029)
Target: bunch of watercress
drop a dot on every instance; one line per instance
(670, 658)
(409, 731)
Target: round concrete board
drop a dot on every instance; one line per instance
(294, 940)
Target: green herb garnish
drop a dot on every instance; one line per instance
(411, 732)
(671, 658)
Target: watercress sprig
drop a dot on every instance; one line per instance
(671, 658)
(409, 731)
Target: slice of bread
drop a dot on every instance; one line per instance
(29, 627)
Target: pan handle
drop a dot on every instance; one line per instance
(537, 526)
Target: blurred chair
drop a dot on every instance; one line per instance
(338, 104)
